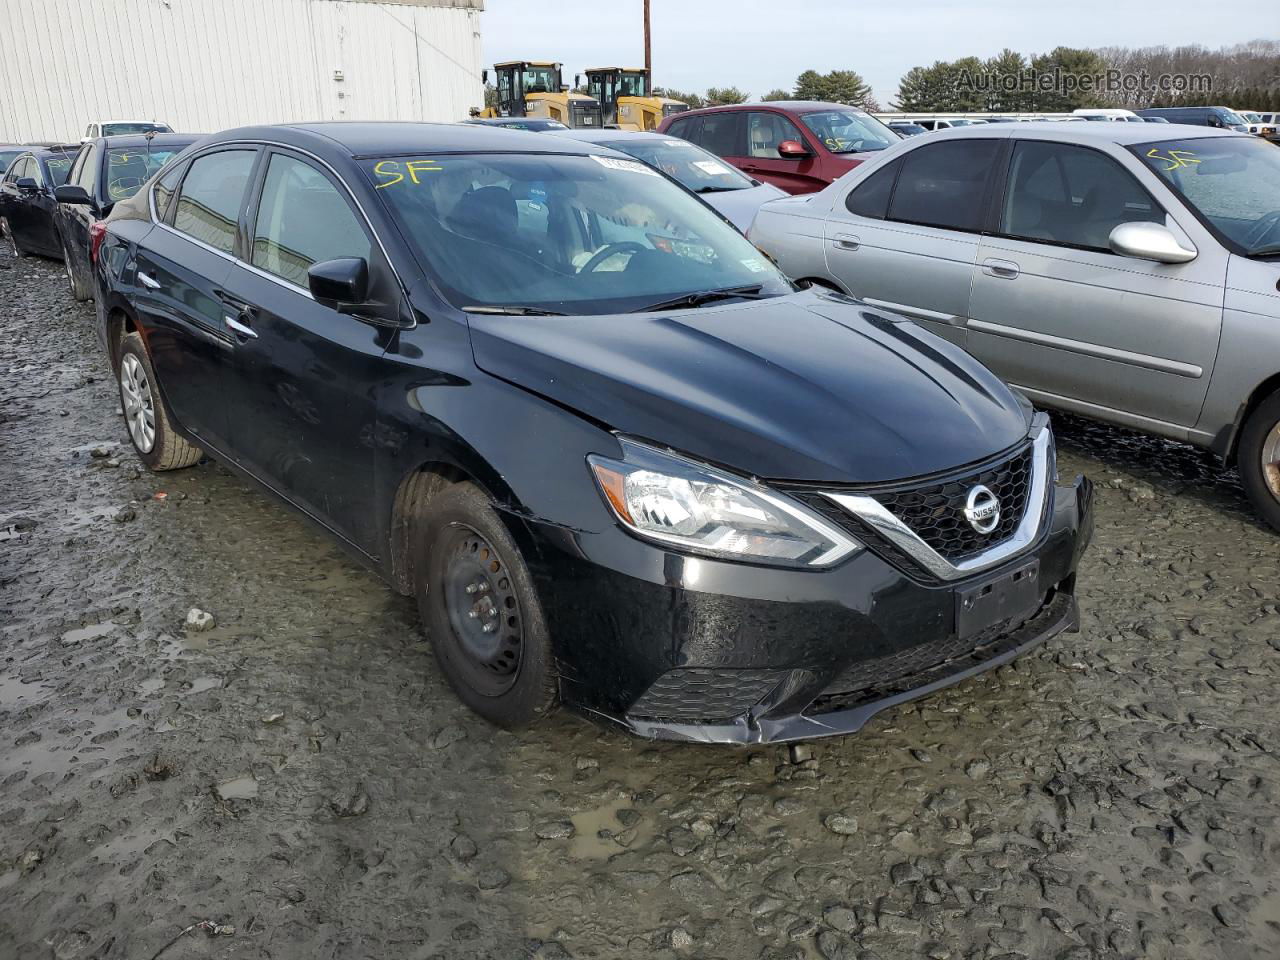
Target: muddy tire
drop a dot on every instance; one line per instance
(150, 428)
(480, 609)
(13, 241)
(1258, 458)
(79, 289)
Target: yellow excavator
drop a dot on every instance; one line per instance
(532, 88)
(626, 98)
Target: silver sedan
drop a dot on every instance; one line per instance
(1121, 271)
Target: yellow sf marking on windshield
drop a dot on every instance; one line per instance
(416, 166)
(388, 168)
(387, 173)
(1176, 158)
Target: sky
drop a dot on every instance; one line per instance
(758, 45)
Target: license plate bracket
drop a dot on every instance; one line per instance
(1011, 596)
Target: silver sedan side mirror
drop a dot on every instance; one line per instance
(1149, 241)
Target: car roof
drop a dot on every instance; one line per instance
(787, 106)
(1119, 133)
(141, 140)
(392, 138)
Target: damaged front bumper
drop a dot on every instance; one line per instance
(682, 648)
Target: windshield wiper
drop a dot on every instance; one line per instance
(749, 291)
(711, 189)
(1266, 250)
(512, 311)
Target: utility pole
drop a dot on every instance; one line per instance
(648, 56)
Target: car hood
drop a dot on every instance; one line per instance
(805, 387)
(740, 206)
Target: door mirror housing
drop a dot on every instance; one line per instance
(27, 184)
(71, 193)
(339, 284)
(793, 150)
(1149, 241)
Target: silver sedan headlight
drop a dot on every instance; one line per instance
(695, 507)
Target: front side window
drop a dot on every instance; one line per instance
(208, 206)
(870, 198)
(7, 157)
(849, 131)
(303, 220)
(942, 184)
(128, 168)
(684, 129)
(766, 130)
(162, 192)
(721, 134)
(1070, 195)
(569, 234)
(1231, 183)
(689, 165)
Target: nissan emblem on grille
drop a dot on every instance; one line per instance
(982, 509)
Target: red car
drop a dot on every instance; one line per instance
(800, 146)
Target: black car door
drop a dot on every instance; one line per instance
(44, 208)
(73, 218)
(179, 271)
(14, 203)
(303, 376)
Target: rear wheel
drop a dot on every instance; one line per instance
(79, 289)
(481, 611)
(1258, 458)
(150, 429)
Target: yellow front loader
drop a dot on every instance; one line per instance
(626, 100)
(532, 88)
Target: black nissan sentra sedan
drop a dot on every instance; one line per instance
(619, 460)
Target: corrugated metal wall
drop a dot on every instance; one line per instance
(205, 65)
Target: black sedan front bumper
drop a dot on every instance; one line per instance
(683, 648)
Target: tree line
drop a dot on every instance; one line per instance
(837, 86)
(1245, 75)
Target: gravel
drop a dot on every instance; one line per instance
(1114, 794)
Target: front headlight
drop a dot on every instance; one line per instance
(689, 505)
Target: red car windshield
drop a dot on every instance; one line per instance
(849, 131)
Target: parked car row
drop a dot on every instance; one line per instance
(621, 461)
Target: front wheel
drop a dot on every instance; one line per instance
(79, 289)
(480, 609)
(18, 252)
(1258, 458)
(150, 429)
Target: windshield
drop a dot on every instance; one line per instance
(128, 168)
(632, 84)
(540, 80)
(117, 129)
(692, 166)
(1231, 117)
(580, 235)
(7, 157)
(849, 131)
(1232, 183)
(59, 167)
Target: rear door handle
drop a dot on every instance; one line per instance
(148, 281)
(846, 241)
(1004, 269)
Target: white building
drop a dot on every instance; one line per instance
(206, 65)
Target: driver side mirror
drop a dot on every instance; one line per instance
(793, 150)
(339, 283)
(1149, 241)
(26, 184)
(71, 193)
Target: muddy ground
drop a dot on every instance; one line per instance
(301, 775)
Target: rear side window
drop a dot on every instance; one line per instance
(870, 198)
(208, 205)
(721, 134)
(942, 185)
(303, 220)
(1070, 195)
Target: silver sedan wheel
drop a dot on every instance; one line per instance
(1271, 460)
(139, 405)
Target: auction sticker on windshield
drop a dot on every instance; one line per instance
(634, 166)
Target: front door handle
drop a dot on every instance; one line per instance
(1004, 269)
(148, 281)
(846, 241)
(239, 328)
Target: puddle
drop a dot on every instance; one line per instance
(599, 833)
(153, 685)
(82, 634)
(237, 788)
(201, 684)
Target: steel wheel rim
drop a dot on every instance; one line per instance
(139, 406)
(1271, 460)
(483, 610)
